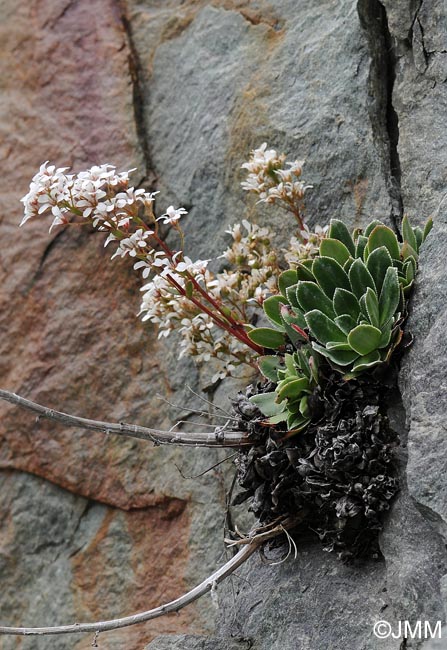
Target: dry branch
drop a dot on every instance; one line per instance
(220, 437)
(174, 606)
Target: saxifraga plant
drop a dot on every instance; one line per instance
(347, 305)
(337, 317)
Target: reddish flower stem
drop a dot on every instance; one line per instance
(237, 332)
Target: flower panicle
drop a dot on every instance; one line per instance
(274, 183)
(210, 310)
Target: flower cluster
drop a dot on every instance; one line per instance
(100, 194)
(179, 293)
(306, 246)
(268, 178)
(211, 311)
(250, 277)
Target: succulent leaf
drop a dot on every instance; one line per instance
(367, 361)
(364, 339)
(377, 264)
(338, 230)
(372, 307)
(287, 279)
(304, 406)
(409, 271)
(360, 279)
(346, 323)
(290, 364)
(408, 251)
(333, 345)
(339, 357)
(330, 275)
(304, 270)
(272, 309)
(294, 325)
(427, 229)
(267, 337)
(409, 234)
(346, 303)
(267, 404)
(311, 296)
(385, 338)
(370, 227)
(269, 366)
(323, 328)
(336, 249)
(389, 296)
(279, 417)
(347, 265)
(384, 236)
(292, 388)
(291, 297)
(360, 246)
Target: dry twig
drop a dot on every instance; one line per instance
(220, 437)
(248, 548)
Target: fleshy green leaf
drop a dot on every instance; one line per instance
(287, 279)
(367, 361)
(384, 236)
(346, 323)
(363, 310)
(377, 264)
(339, 357)
(372, 307)
(371, 226)
(409, 270)
(302, 361)
(389, 296)
(304, 406)
(330, 275)
(304, 270)
(385, 338)
(280, 417)
(269, 366)
(347, 265)
(290, 364)
(338, 230)
(323, 328)
(360, 247)
(338, 346)
(272, 309)
(364, 339)
(419, 234)
(427, 229)
(293, 388)
(407, 251)
(346, 303)
(311, 296)
(295, 425)
(293, 405)
(408, 234)
(291, 297)
(267, 404)
(334, 248)
(360, 278)
(267, 337)
(294, 325)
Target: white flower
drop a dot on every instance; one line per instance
(195, 268)
(172, 215)
(133, 244)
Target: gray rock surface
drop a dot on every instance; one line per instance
(184, 89)
(195, 642)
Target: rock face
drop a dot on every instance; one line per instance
(94, 527)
